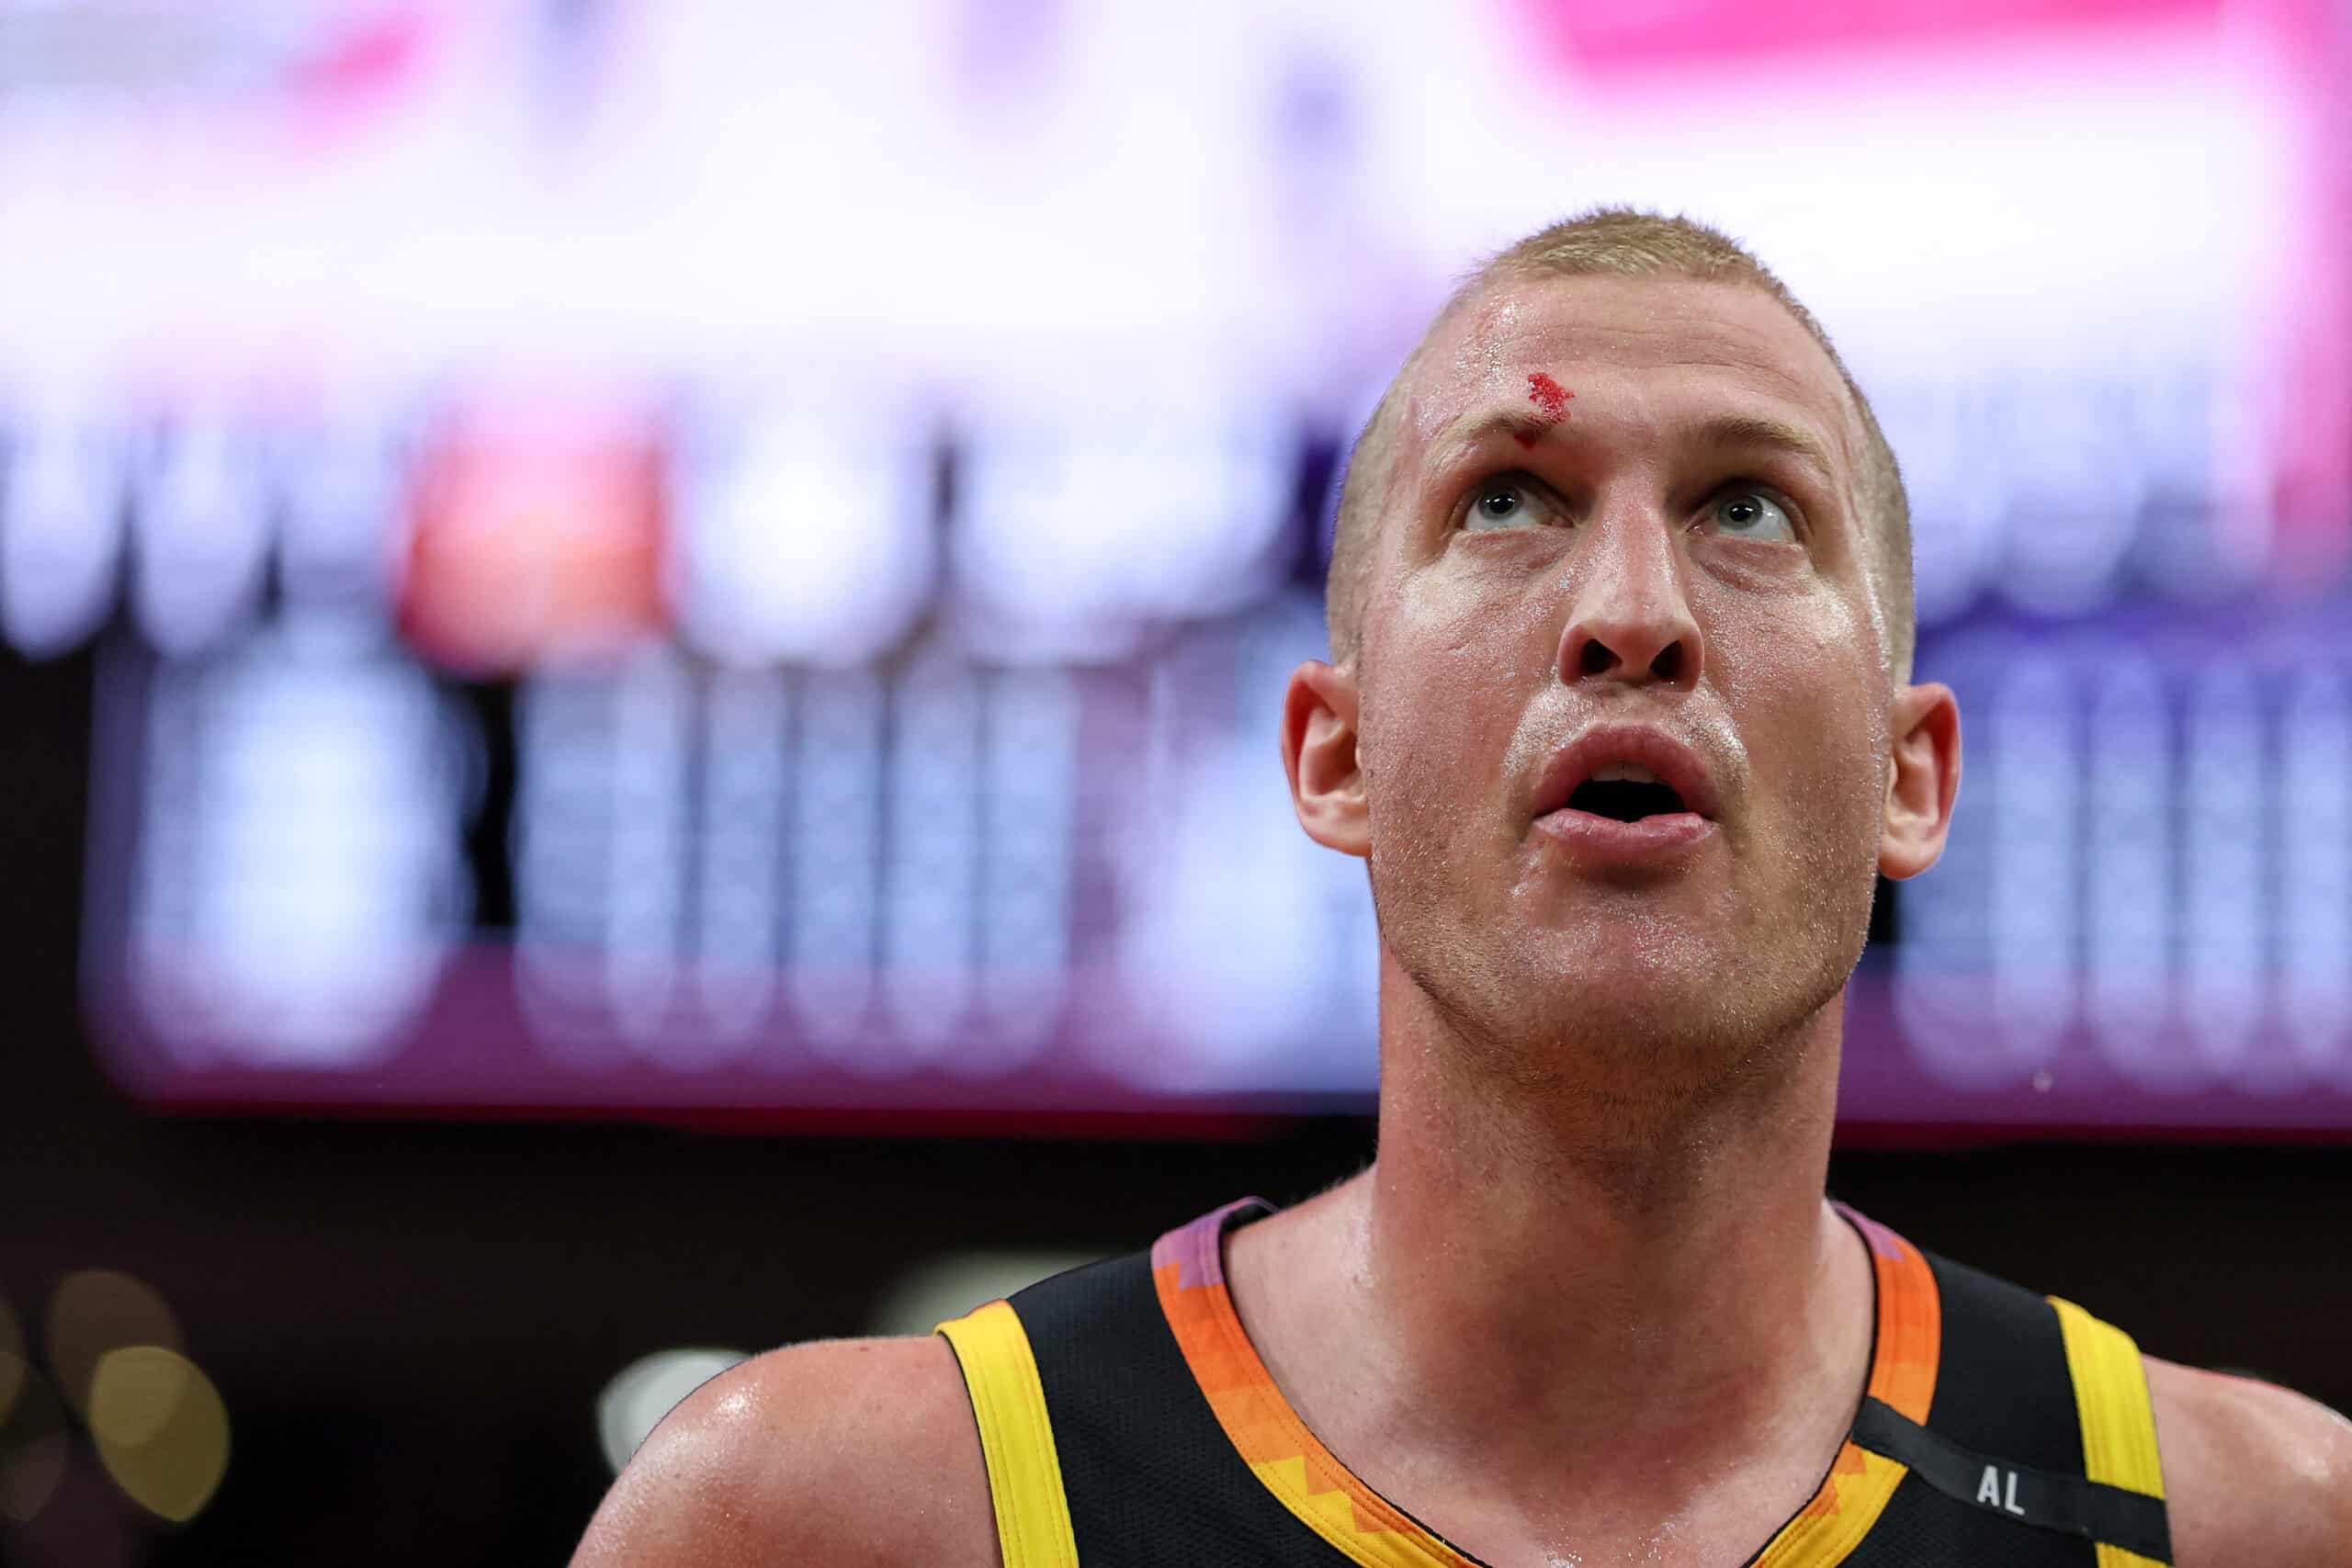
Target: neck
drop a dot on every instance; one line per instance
(1627, 1282)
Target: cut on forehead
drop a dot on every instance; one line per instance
(1618, 242)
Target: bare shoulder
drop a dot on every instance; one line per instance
(841, 1451)
(2253, 1472)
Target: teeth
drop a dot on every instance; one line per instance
(1627, 771)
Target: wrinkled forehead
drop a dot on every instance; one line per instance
(1651, 349)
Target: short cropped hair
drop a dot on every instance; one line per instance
(1616, 241)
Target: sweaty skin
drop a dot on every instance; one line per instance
(1594, 1243)
(1588, 1305)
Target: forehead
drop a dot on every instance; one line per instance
(1655, 350)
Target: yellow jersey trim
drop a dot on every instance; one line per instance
(2119, 1419)
(1845, 1510)
(1033, 1526)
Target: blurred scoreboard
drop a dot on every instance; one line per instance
(683, 560)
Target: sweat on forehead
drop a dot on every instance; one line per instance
(1647, 356)
(1467, 338)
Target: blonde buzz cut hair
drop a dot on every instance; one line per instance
(1616, 241)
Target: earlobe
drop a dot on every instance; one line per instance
(1319, 757)
(1923, 779)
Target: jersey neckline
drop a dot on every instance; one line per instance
(1188, 1274)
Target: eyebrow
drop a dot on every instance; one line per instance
(1749, 432)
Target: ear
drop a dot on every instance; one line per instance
(1319, 756)
(1923, 778)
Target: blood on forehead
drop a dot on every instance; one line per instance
(1551, 400)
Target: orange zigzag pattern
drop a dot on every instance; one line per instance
(1313, 1484)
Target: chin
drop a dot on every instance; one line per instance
(1669, 1004)
(1649, 952)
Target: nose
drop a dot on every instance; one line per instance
(1629, 613)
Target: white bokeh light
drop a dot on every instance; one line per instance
(1080, 527)
(200, 521)
(61, 534)
(301, 880)
(632, 1405)
(803, 538)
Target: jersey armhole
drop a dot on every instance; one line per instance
(2118, 1417)
(1033, 1526)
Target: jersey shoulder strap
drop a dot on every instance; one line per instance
(2039, 1446)
(2119, 1422)
(1033, 1526)
(1101, 1442)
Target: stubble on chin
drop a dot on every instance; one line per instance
(1642, 1023)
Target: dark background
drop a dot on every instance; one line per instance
(410, 1320)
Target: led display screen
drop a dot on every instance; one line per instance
(744, 558)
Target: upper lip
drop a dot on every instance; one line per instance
(1677, 767)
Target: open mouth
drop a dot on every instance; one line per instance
(1625, 795)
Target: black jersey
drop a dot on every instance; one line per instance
(1127, 1423)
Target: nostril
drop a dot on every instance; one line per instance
(1595, 657)
(1668, 665)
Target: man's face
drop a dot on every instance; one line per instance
(1624, 503)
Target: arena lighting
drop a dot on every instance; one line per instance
(836, 829)
(2154, 852)
(302, 880)
(535, 531)
(810, 538)
(2222, 958)
(1957, 517)
(649, 847)
(2208, 527)
(159, 1425)
(699, 854)
(2316, 881)
(1225, 994)
(94, 1311)
(1031, 776)
(61, 533)
(646, 1390)
(2130, 892)
(929, 937)
(1215, 982)
(803, 537)
(982, 785)
(200, 525)
(160, 1428)
(733, 978)
(344, 525)
(1080, 527)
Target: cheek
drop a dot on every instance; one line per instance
(1468, 629)
(1442, 701)
(1806, 693)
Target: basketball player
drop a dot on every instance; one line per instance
(1619, 715)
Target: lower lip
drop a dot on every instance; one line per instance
(1647, 839)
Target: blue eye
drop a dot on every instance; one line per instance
(1752, 514)
(1503, 503)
